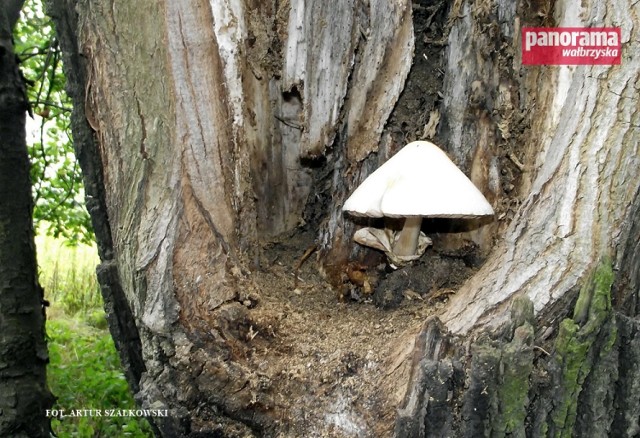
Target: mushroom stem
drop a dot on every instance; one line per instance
(407, 243)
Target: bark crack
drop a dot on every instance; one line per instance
(143, 126)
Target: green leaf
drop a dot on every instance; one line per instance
(56, 177)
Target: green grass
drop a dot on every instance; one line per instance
(84, 371)
(68, 276)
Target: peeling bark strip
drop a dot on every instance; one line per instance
(317, 26)
(382, 32)
(386, 53)
(24, 396)
(581, 340)
(426, 402)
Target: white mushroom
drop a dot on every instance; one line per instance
(419, 181)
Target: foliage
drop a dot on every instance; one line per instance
(56, 178)
(84, 370)
(84, 373)
(68, 275)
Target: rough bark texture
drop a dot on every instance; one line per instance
(118, 309)
(215, 126)
(580, 186)
(24, 396)
(583, 180)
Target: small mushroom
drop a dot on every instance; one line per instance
(419, 181)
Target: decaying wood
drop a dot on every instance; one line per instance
(192, 166)
(235, 120)
(379, 74)
(587, 162)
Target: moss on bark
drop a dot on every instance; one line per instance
(574, 353)
(517, 358)
(498, 395)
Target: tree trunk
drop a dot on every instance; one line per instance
(24, 396)
(216, 137)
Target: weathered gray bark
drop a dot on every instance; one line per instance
(579, 165)
(24, 396)
(213, 126)
(188, 191)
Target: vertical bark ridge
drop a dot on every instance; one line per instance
(569, 199)
(315, 27)
(387, 44)
(122, 324)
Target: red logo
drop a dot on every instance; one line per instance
(571, 46)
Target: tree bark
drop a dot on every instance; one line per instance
(24, 396)
(580, 203)
(206, 129)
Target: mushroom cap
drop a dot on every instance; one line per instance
(419, 180)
